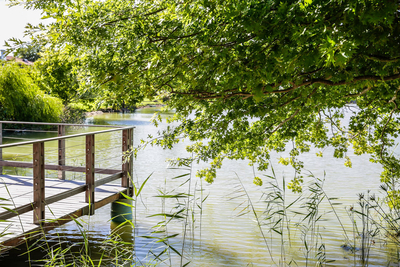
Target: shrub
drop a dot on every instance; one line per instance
(22, 100)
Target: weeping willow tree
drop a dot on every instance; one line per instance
(22, 100)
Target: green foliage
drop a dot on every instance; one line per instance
(28, 51)
(257, 181)
(57, 74)
(393, 199)
(255, 75)
(22, 100)
(72, 114)
(296, 185)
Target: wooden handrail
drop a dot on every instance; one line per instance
(63, 137)
(56, 124)
(24, 164)
(32, 131)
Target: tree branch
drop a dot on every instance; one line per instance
(165, 38)
(131, 17)
(359, 94)
(383, 131)
(343, 82)
(292, 116)
(382, 58)
(284, 121)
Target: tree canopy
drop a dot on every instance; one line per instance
(247, 76)
(57, 74)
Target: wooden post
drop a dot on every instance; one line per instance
(127, 138)
(1, 150)
(38, 183)
(130, 167)
(61, 151)
(90, 172)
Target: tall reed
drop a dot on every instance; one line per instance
(284, 222)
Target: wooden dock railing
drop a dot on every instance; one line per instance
(38, 165)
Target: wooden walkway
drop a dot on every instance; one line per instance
(33, 205)
(17, 191)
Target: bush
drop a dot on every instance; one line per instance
(73, 114)
(22, 100)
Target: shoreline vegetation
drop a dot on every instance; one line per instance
(38, 100)
(110, 110)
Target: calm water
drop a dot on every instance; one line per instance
(221, 230)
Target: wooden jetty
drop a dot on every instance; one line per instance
(32, 205)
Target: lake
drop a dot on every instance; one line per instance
(221, 226)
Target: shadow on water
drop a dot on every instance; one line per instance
(128, 244)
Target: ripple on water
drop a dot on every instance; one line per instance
(229, 234)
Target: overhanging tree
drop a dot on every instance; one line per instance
(248, 76)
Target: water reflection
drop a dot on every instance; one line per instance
(124, 231)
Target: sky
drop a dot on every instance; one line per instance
(13, 21)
